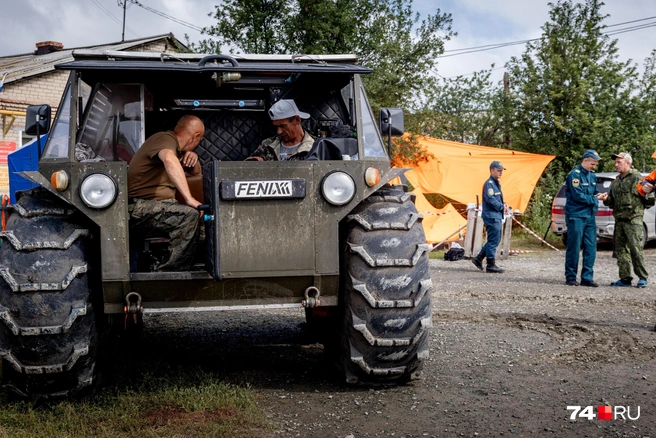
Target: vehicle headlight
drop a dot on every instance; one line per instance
(98, 190)
(338, 188)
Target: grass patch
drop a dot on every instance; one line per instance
(179, 403)
(437, 254)
(522, 239)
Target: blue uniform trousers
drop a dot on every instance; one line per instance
(581, 232)
(493, 229)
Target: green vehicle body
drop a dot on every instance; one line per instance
(260, 251)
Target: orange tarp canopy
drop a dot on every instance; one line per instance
(439, 224)
(459, 170)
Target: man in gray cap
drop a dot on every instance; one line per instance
(581, 205)
(493, 210)
(292, 142)
(628, 206)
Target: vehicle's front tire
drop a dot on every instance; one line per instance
(48, 330)
(385, 299)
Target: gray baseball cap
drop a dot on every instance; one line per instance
(625, 155)
(284, 109)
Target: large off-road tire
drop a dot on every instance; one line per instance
(48, 331)
(386, 303)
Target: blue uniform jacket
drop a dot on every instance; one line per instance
(580, 193)
(492, 199)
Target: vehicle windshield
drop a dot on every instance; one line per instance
(58, 140)
(373, 146)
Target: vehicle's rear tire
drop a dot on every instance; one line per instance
(644, 235)
(385, 300)
(48, 330)
(563, 238)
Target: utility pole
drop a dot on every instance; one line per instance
(506, 97)
(125, 4)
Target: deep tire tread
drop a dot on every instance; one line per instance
(386, 304)
(48, 335)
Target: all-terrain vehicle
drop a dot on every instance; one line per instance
(328, 233)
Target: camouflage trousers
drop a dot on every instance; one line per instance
(180, 223)
(628, 247)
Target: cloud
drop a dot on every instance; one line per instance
(482, 22)
(81, 23)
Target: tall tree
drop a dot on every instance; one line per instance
(645, 116)
(570, 92)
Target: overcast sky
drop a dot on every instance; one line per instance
(78, 23)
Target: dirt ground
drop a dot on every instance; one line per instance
(509, 353)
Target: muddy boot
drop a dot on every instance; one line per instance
(492, 267)
(478, 261)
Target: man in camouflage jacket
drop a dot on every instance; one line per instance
(628, 210)
(292, 142)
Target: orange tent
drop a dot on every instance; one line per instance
(439, 225)
(459, 170)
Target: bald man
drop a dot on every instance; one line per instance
(155, 173)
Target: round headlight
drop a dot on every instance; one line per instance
(98, 190)
(338, 188)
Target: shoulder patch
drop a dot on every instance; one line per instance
(490, 191)
(576, 182)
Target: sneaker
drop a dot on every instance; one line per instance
(589, 283)
(642, 283)
(621, 283)
(572, 283)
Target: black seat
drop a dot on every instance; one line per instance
(332, 148)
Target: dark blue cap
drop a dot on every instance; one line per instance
(591, 153)
(496, 165)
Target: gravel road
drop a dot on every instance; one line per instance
(509, 353)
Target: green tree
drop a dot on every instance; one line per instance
(570, 92)
(645, 116)
(249, 26)
(463, 109)
(387, 35)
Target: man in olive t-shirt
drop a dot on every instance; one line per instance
(155, 173)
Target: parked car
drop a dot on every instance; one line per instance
(604, 219)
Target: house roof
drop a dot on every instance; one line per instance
(26, 65)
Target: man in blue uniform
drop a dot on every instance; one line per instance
(493, 211)
(580, 210)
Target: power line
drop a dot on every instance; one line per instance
(631, 29)
(484, 48)
(168, 17)
(632, 21)
(118, 21)
(487, 47)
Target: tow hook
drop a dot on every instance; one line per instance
(311, 298)
(133, 307)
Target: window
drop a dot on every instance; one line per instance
(114, 124)
(58, 140)
(373, 145)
